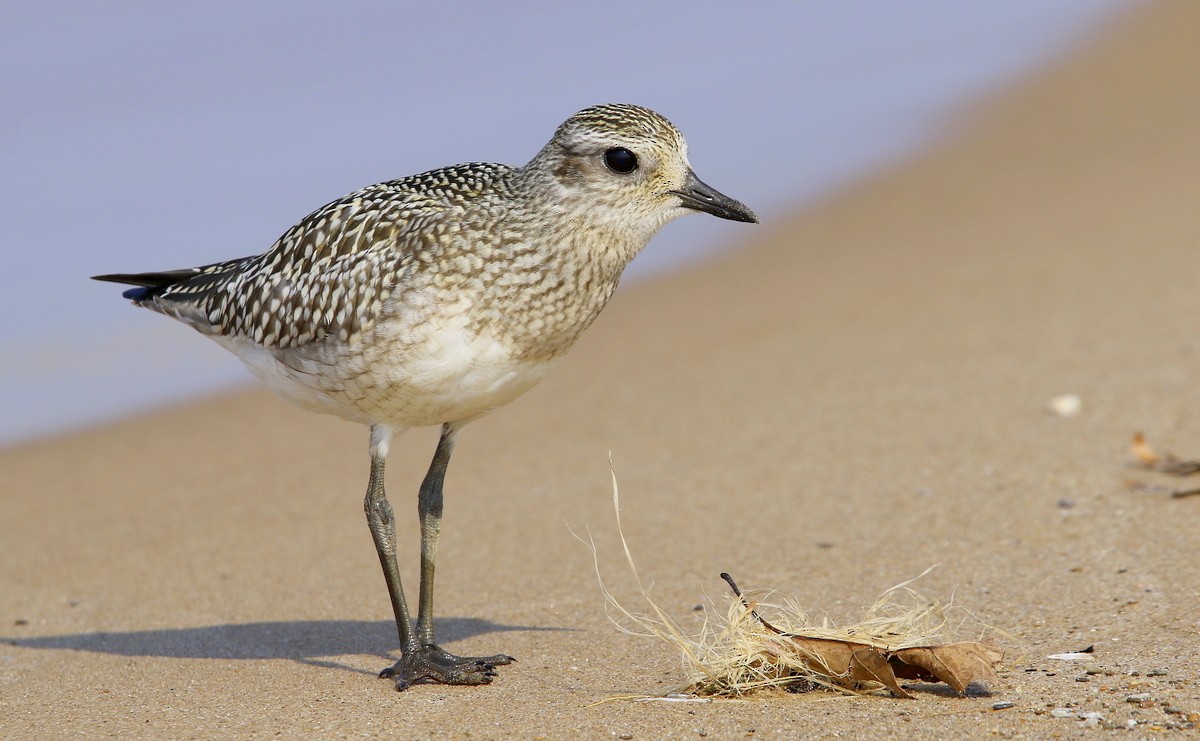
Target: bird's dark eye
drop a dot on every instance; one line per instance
(621, 160)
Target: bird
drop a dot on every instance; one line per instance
(434, 299)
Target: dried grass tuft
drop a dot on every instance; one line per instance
(767, 640)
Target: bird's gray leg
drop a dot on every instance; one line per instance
(422, 660)
(429, 507)
(383, 531)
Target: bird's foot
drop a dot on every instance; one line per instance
(432, 663)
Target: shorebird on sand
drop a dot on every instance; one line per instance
(433, 299)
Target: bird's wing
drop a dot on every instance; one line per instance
(330, 274)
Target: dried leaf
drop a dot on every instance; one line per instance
(827, 656)
(843, 663)
(956, 664)
(1144, 454)
(868, 664)
(1162, 463)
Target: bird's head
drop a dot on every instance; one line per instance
(628, 165)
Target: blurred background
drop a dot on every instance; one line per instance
(150, 136)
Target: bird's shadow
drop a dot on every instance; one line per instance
(304, 641)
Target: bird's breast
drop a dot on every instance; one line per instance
(426, 368)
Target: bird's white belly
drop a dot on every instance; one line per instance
(440, 376)
(456, 375)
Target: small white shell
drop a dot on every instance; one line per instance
(1065, 405)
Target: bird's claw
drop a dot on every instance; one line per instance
(432, 664)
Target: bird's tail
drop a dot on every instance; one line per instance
(187, 295)
(148, 285)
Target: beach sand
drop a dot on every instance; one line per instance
(856, 395)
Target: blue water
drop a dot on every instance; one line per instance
(144, 136)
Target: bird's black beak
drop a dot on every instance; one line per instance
(695, 194)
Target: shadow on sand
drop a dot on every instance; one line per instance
(301, 640)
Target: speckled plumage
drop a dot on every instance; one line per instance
(435, 298)
(477, 277)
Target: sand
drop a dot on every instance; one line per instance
(857, 394)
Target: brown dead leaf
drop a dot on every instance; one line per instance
(840, 660)
(1144, 454)
(956, 664)
(1167, 463)
(824, 655)
(869, 664)
(1151, 460)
